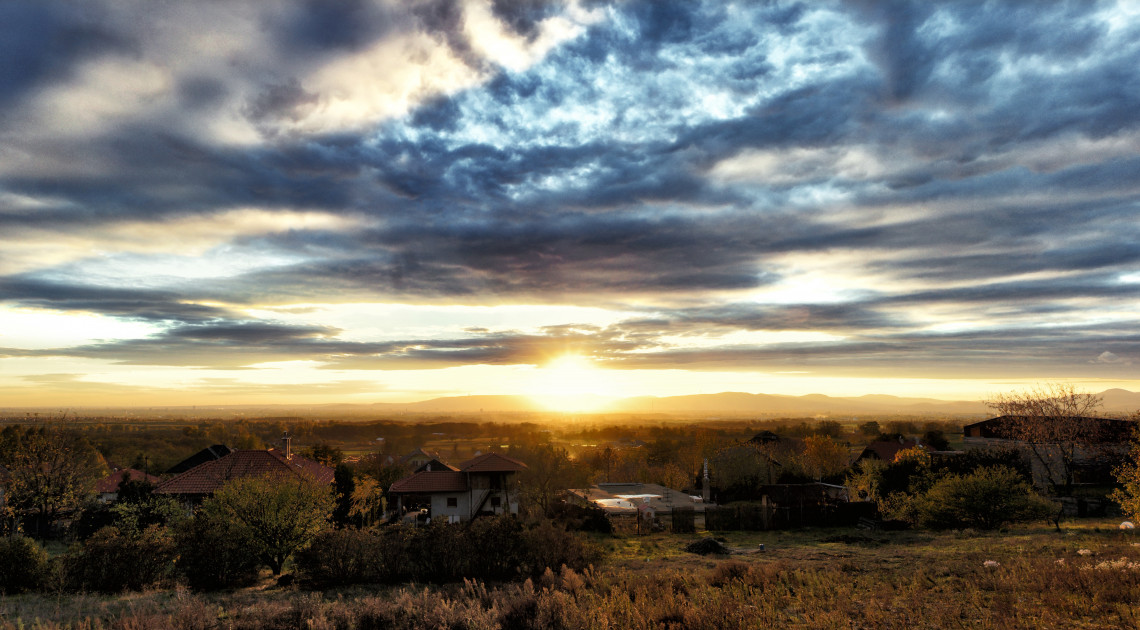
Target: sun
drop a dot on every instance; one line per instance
(572, 384)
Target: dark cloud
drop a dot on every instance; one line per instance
(345, 25)
(42, 42)
(444, 19)
(134, 304)
(286, 100)
(523, 16)
(978, 158)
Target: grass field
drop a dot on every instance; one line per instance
(1087, 576)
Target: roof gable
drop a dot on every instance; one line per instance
(492, 462)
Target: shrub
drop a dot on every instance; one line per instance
(23, 565)
(501, 548)
(213, 554)
(581, 518)
(984, 499)
(110, 562)
(547, 545)
(343, 556)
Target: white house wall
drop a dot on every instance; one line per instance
(440, 510)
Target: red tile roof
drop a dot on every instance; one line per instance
(886, 450)
(455, 480)
(492, 462)
(431, 481)
(208, 477)
(111, 482)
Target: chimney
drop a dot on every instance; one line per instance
(288, 441)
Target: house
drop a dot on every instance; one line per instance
(418, 458)
(480, 486)
(107, 488)
(201, 481)
(208, 454)
(1078, 450)
(886, 450)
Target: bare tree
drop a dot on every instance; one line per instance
(1054, 422)
(549, 471)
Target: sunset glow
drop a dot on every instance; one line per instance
(571, 383)
(382, 201)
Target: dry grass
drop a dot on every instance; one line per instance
(801, 580)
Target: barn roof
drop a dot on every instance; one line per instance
(1094, 429)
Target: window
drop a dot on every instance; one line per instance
(452, 502)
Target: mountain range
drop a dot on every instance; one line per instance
(1117, 402)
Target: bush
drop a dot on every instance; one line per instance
(342, 556)
(23, 565)
(499, 548)
(547, 545)
(581, 518)
(985, 499)
(213, 554)
(110, 562)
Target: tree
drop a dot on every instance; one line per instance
(549, 471)
(1052, 422)
(367, 502)
(936, 440)
(870, 428)
(326, 455)
(52, 470)
(737, 471)
(277, 515)
(822, 457)
(344, 484)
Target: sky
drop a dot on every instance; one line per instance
(279, 201)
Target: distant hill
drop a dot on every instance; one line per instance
(736, 403)
(1120, 400)
(1116, 402)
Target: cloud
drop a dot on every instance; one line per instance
(914, 184)
(1108, 358)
